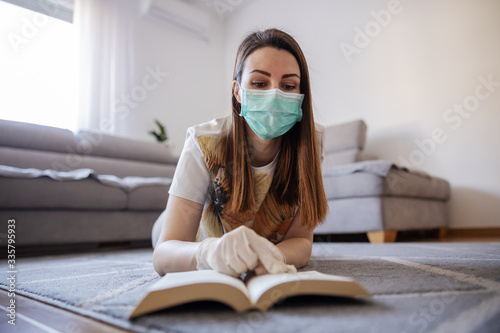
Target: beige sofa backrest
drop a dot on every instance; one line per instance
(25, 145)
(344, 143)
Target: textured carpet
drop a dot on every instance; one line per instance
(417, 287)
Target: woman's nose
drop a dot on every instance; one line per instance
(275, 85)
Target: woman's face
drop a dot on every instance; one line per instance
(269, 68)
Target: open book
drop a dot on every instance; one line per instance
(257, 292)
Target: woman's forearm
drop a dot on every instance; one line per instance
(178, 256)
(297, 251)
(175, 256)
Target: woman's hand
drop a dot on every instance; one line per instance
(239, 251)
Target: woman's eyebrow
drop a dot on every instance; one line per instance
(268, 74)
(261, 72)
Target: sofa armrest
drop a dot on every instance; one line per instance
(28, 136)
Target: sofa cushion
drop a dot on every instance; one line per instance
(354, 215)
(56, 227)
(399, 182)
(350, 182)
(148, 198)
(98, 144)
(143, 193)
(46, 193)
(346, 136)
(36, 137)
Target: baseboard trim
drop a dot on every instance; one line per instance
(473, 232)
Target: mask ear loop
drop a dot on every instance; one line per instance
(236, 99)
(240, 92)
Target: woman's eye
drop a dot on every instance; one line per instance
(288, 87)
(258, 84)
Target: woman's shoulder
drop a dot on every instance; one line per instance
(214, 127)
(320, 129)
(320, 133)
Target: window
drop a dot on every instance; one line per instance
(39, 68)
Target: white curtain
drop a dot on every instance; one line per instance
(106, 29)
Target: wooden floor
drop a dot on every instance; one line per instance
(472, 235)
(35, 316)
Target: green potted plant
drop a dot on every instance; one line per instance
(160, 134)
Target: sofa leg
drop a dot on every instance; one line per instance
(442, 233)
(388, 236)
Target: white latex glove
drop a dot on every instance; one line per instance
(239, 251)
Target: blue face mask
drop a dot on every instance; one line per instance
(270, 113)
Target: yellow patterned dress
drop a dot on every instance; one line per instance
(270, 219)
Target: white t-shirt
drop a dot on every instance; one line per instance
(192, 179)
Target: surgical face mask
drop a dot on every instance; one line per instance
(270, 113)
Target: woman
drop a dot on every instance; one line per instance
(253, 178)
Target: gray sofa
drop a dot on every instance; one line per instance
(372, 196)
(69, 190)
(89, 188)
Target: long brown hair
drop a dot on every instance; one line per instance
(297, 178)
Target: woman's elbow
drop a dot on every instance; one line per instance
(304, 260)
(159, 261)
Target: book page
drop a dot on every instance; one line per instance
(172, 280)
(184, 287)
(269, 288)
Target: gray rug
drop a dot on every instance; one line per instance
(417, 287)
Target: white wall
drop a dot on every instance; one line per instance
(427, 58)
(191, 93)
